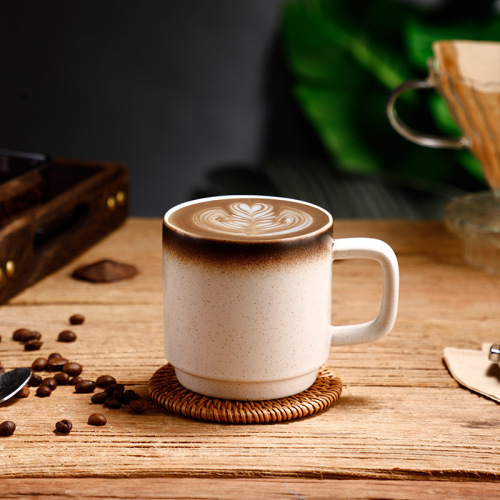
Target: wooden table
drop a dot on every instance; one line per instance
(402, 427)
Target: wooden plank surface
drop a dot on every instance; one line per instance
(401, 415)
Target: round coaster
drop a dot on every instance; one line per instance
(167, 392)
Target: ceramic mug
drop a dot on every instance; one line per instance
(248, 294)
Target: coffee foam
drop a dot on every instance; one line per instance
(247, 218)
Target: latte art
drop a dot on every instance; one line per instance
(252, 219)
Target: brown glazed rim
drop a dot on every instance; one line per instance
(290, 239)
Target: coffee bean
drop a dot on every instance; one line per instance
(131, 395)
(56, 364)
(76, 319)
(54, 355)
(23, 393)
(49, 382)
(72, 369)
(43, 391)
(31, 336)
(2, 370)
(104, 381)
(7, 428)
(62, 378)
(66, 336)
(99, 397)
(112, 403)
(35, 380)
(139, 406)
(64, 426)
(39, 365)
(19, 334)
(85, 386)
(115, 388)
(33, 345)
(0, 338)
(75, 380)
(97, 419)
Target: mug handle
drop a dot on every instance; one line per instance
(431, 141)
(369, 248)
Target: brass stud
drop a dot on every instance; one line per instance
(120, 197)
(10, 268)
(111, 203)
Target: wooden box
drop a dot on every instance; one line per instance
(51, 210)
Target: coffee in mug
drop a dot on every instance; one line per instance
(248, 294)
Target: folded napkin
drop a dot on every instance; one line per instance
(474, 370)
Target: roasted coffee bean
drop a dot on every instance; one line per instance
(35, 380)
(115, 388)
(39, 365)
(43, 391)
(72, 369)
(54, 355)
(131, 395)
(62, 378)
(23, 393)
(75, 380)
(19, 334)
(99, 397)
(97, 419)
(64, 426)
(2, 370)
(66, 336)
(56, 364)
(139, 406)
(112, 403)
(33, 345)
(7, 428)
(32, 336)
(104, 381)
(85, 386)
(50, 382)
(76, 319)
(0, 338)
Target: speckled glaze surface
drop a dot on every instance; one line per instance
(247, 295)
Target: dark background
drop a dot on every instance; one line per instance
(169, 88)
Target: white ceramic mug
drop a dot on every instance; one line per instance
(248, 294)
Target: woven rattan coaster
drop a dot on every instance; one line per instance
(167, 392)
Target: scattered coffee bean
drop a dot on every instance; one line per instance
(75, 380)
(0, 338)
(54, 355)
(131, 395)
(23, 393)
(97, 419)
(66, 336)
(112, 403)
(39, 365)
(76, 319)
(139, 406)
(56, 364)
(35, 380)
(72, 369)
(99, 397)
(104, 381)
(85, 386)
(64, 426)
(115, 389)
(62, 378)
(49, 382)
(43, 391)
(2, 370)
(33, 345)
(31, 336)
(7, 428)
(19, 334)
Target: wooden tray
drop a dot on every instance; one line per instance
(54, 211)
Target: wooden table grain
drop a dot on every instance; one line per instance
(403, 428)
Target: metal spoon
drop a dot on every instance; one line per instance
(12, 382)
